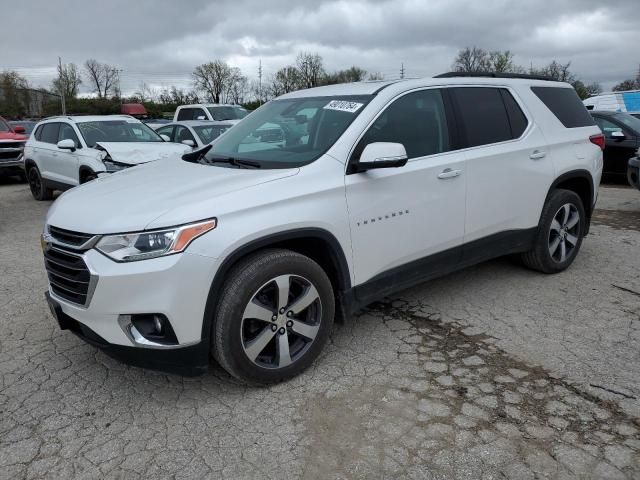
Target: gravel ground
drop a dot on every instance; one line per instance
(493, 372)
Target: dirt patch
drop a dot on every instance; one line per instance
(620, 219)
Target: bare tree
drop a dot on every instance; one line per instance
(556, 71)
(352, 74)
(471, 59)
(310, 69)
(375, 76)
(146, 93)
(286, 80)
(68, 81)
(103, 77)
(237, 87)
(213, 79)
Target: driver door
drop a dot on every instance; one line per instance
(406, 222)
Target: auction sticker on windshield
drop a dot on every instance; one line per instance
(343, 106)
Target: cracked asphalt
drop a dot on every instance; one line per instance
(492, 372)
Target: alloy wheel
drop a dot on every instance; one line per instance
(281, 321)
(564, 232)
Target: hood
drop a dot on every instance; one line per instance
(132, 199)
(12, 136)
(135, 153)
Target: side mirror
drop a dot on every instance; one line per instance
(19, 129)
(618, 135)
(381, 155)
(189, 143)
(67, 144)
(165, 137)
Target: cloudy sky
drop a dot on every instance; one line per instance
(160, 41)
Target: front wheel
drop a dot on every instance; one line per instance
(562, 226)
(273, 318)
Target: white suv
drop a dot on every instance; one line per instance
(210, 111)
(66, 151)
(247, 250)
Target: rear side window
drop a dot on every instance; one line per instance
(565, 104)
(483, 115)
(49, 133)
(516, 118)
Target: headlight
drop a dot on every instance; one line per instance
(129, 247)
(112, 166)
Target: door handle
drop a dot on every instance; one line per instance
(448, 173)
(537, 155)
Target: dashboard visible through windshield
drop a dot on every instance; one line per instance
(290, 132)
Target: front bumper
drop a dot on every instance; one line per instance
(12, 166)
(191, 361)
(176, 286)
(633, 172)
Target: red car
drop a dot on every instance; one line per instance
(12, 143)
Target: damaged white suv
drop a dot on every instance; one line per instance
(66, 151)
(247, 249)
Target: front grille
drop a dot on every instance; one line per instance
(68, 275)
(68, 237)
(19, 145)
(9, 156)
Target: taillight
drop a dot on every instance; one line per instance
(597, 140)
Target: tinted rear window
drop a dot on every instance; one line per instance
(516, 118)
(483, 115)
(565, 104)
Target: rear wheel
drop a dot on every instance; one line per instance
(37, 186)
(274, 316)
(562, 226)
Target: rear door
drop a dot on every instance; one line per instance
(46, 150)
(508, 167)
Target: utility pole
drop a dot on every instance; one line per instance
(119, 71)
(402, 70)
(260, 82)
(62, 87)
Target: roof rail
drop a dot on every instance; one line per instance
(494, 75)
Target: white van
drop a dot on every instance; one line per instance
(210, 111)
(628, 101)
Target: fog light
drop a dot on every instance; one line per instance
(148, 329)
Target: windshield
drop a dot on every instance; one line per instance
(208, 133)
(291, 132)
(629, 120)
(128, 130)
(227, 113)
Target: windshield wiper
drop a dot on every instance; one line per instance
(236, 162)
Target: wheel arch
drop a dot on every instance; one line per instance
(580, 182)
(318, 244)
(83, 171)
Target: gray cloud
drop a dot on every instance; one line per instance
(161, 41)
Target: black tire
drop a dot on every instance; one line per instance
(540, 257)
(245, 282)
(37, 186)
(87, 176)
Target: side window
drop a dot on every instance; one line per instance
(483, 115)
(49, 133)
(168, 131)
(185, 114)
(607, 127)
(66, 132)
(517, 118)
(182, 134)
(38, 133)
(416, 120)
